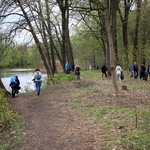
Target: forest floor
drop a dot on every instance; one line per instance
(83, 115)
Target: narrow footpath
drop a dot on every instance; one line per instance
(50, 124)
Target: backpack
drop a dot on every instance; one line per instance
(78, 69)
(38, 76)
(13, 80)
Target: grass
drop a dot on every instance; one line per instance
(12, 137)
(120, 123)
(73, 103)
(124, 127)
(61, 77)
(10, 125)
(88, 74)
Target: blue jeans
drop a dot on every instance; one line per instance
(38, 86)
(135, 74)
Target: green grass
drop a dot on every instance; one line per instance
(138, 86)
(73, 103)
(108, 118)
(117, 123)
(10, 138)
(10, 125)
(61, 77)
(88, 74)
(111, 118)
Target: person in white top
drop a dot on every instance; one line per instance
(90, 66)
(118, 73)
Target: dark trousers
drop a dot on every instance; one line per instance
(142, 75)
(104, 73)
(77, 74)
(15, 88)
(68, 71)
(135, 74)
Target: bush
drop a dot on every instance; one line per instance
(10, 123)
(60, 77)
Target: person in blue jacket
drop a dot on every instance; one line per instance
(67, 67)
(14, 84)
(131, 71)
(38, 80)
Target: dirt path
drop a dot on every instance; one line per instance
(49, 124)
(55, 120)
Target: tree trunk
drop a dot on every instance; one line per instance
(114, 4)
(108, 64)
(51, 42)
(111, 46)
(66, 50)
(124, 21)
(125, 32)
(39, 46)
(68, 43)
(135, 49)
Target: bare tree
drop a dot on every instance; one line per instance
(138, 15)
(66, 50)
(37, 17)
(3, 45)
(125, 19)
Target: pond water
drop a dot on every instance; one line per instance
(25, 76)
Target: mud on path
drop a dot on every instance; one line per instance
(51, 123)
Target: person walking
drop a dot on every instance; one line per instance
(148, 70)
(131, 71)
(67, 67)
(135, 70)
(142, 71)
(77, 71)
(104, 69)
(118, 73)
(14, 84)
(38, 80)
(90, 66)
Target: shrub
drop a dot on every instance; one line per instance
(60, 77)
(10, 123)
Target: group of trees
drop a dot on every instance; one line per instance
(21, 56)
(101, 31)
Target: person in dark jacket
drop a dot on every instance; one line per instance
(104, 69)
(148, 70)
(135, 70)
(77, 71)
(142, 71)
(14, 84)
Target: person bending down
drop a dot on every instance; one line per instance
(14, 84)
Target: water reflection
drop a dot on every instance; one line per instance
(25, 76)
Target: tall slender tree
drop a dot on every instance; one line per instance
(111, 44)
(124, 16)
(138, 15)
(66, 50)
